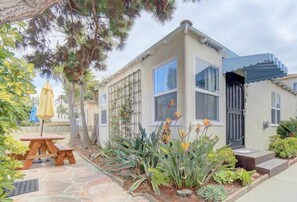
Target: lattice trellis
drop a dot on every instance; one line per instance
(124, 103)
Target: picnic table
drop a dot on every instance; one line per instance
(40, 147)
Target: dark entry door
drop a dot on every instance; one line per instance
(235, 110)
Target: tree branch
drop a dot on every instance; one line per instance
(16, 10)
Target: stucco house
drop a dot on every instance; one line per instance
(91, 113)
(239, 94)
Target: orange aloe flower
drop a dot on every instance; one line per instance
(185, 145)
(166, 138)
(182, 133)
(206, 122)
(198, 128)
(170, 103)
(166, 127)
(167, 121)
(178, 115)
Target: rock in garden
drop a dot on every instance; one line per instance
(127, 174)
(256, 175)
(184, 192)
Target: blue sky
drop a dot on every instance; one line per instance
(244, 26)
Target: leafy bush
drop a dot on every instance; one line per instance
(15, 87)
(229, 176)
(225, 177)
(212, 193)
(228, 155)
(284, 148)
(244, 176)
(288, 128)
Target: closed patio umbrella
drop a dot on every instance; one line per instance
(45, 108)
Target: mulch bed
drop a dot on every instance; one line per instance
(167, 193)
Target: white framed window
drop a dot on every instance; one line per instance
(103, 110)
(295, 86)
(275, 107)
(165, 89)
(207, 91)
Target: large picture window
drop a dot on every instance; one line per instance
(103, 105)
(165, 89)
(207, 91)
(275, 108)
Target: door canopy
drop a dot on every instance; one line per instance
(257, 67)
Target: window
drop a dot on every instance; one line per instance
(295, 86)
(103, 116)
(165, 89)
(207, 91)
(103, 105)
(275, 108)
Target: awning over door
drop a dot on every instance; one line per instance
(257, 67)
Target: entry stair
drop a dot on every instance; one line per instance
(263, 162)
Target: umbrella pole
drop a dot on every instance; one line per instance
(42, 127)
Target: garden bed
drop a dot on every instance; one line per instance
(235, 190)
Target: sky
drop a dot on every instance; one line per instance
(244, 26)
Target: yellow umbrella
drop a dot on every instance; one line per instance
(45, 108)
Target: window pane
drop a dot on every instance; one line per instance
(278, 101)
(206, 106)
(278, 116)
(273, 99)
(207, 76)
(161, 109)
(165, 77)
(103, 117)
(273, 118)
(295, 86)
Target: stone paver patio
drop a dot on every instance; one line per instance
(73, 183)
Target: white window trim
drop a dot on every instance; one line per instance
(213, 93)
(275, 108)
(100, 122)
(159, 66)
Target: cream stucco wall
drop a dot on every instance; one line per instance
(195, 49)
(258, 110)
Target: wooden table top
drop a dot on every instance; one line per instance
(45, 137)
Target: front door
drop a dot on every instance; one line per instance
(235, 110)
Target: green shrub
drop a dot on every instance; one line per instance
(225, 177)
(15, 86)
(212, 193)
(245, 176)
(288, 128)
(284, 148)
(228, 155)
(229, 176)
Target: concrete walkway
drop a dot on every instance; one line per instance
(282, 187)
(73, 183)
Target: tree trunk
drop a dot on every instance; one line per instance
(95, 133)
(14, 10)
(86, 141)
(74, 129)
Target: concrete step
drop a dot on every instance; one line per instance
(250, 160)
(272, 167)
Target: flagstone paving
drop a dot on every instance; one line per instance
(73, 183)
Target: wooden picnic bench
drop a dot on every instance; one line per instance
(39, 147)
(64, 152)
